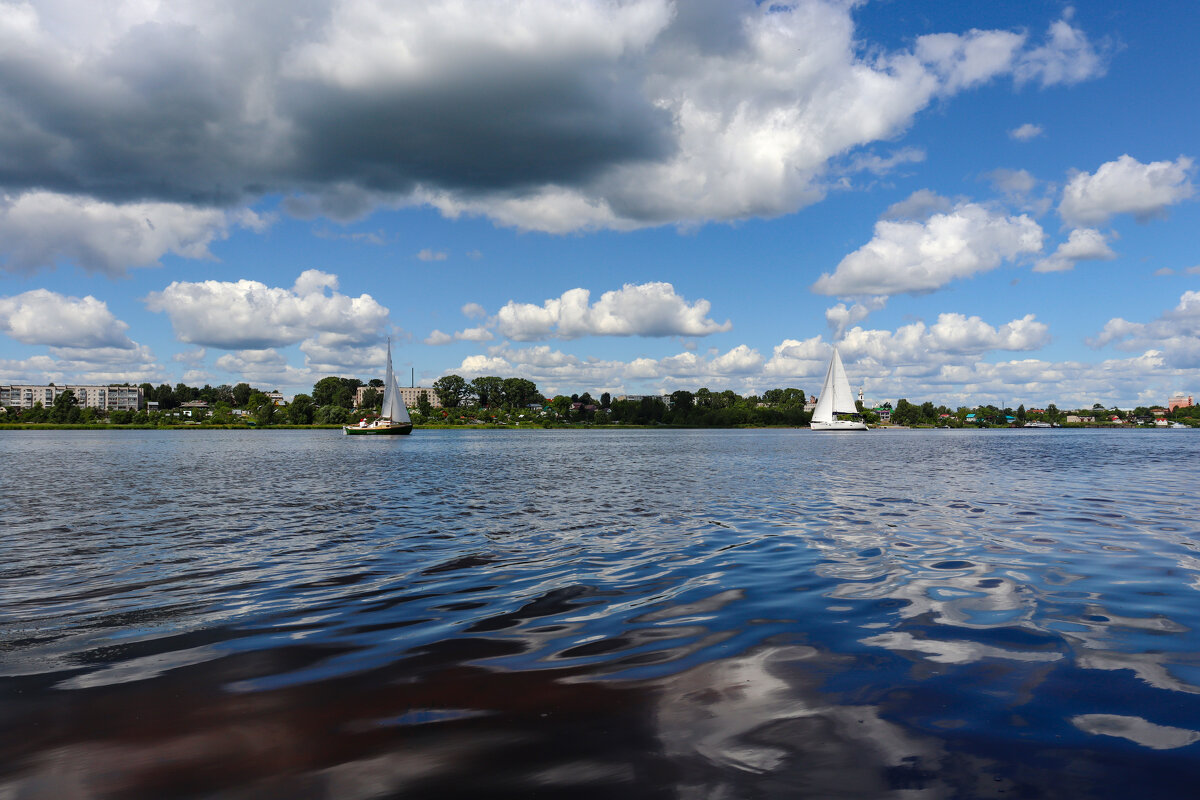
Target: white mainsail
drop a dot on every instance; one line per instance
(393, 404)
(836, 397)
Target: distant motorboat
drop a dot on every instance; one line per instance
(1038, 424)
(1178, 425)
(836, 398)
(393, 418)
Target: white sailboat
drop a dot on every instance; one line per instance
(393, 418)
(836, 398)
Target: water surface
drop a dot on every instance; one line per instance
(733, 614)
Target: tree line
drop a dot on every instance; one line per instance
(498, 399)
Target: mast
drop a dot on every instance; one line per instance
(389, 380)
(824, 410)
(843, 398)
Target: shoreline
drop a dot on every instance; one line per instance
(49, 426)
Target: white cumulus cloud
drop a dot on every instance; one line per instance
(757, 130)
(249, 315)
(1126, 186)
(40, 229)
(841, 316)
(549, 116)
(1174, 335)
(648, 309)
(479, 334)
(953, 334)
(1067, 56)
(915, 257)
(43, 317)
(1023, 133)
(1084, 244)
(265, 368)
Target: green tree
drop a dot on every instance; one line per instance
(221, 394)
(561, 404)
(682, 402)
(905, 413)
(372, 398)
(488, 390)
(520, 392)
(451, 390)
(329, 391)
(166, 398)
(222, 413)
(301, 410)
(605, 400)
(423, 405)
(264, 413)
(332, 415)
(241, 394)
(651, 410)
(66, 408)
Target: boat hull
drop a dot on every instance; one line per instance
(839, 425)
(380, 430)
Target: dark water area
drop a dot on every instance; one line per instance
(596, 614)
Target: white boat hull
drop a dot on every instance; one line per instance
(839, 425)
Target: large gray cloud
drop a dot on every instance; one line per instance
(550, 116)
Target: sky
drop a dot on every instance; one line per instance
(975, 202)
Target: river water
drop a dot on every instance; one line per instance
(595, 614)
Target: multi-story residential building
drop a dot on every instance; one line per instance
(105, 398)
(410, 394)
(1179, 401)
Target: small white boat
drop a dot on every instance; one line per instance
(836, 402)
(393, 418)
(1038, 424)
(1178, 425)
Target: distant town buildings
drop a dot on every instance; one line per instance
(104, 398)
(1179, 401)
(410, 394)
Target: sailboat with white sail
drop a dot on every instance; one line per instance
(393, 418)
(836, 402)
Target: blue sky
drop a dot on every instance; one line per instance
(975, 202)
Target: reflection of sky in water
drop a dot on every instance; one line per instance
(943, 613)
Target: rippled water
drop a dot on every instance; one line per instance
(693, 614)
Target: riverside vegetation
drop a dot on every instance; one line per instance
(496, 401)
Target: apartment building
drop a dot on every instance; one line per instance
(409, 394)
(104, 398)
